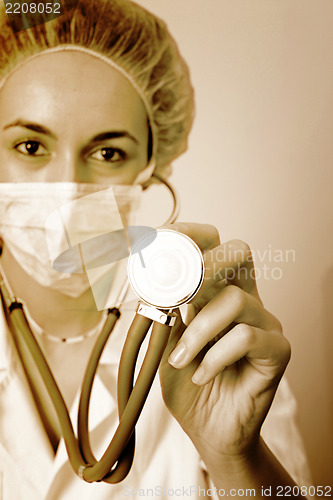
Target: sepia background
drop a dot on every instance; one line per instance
(260, 168)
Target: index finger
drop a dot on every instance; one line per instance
(206, 236)
(231, 262)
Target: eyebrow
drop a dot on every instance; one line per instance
(113, 135)
(35, 127)
(40, 129)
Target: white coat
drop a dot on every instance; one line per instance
(166, 463)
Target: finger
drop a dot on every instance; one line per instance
(200, 301)
(205, 236)
(231, 305)
(233, 262)
(269, 353)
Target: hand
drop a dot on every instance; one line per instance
(220, 373)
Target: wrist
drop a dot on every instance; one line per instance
(237, 461)
(253, 468)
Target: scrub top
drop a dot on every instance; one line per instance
(166, 464)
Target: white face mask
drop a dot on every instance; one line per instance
(54, 229)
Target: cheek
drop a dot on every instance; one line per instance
(126, 175)
(8, 172)
(14, 170)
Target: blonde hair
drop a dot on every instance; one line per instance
(134, 39)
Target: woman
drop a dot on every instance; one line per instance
(101, 97)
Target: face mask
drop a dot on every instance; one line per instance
(59, 233)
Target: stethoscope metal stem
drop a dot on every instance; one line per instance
(119, 454)
(117, 459)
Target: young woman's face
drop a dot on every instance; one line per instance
(68, 116)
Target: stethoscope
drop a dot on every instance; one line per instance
(165, 270)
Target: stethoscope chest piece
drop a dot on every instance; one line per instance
(165, 269)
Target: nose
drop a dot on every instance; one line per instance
(69, 167)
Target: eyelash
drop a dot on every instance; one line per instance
(30, 141)
(121, 154)
(115, 151)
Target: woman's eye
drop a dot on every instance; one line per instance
(31, 148)
(111, 155)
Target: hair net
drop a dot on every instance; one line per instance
(138, 42)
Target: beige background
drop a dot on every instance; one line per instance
(259, 167)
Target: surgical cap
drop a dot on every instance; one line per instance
(134, 39)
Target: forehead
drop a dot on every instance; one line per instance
(77, 84)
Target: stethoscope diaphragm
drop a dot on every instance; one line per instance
(165, 269)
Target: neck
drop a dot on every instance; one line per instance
(58, 315)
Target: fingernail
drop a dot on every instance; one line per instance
(177, 356)
(199, 376)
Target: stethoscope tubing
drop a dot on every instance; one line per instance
(38, 391)
(118, 457)
(134, 404)
(136, 334)
(119, 453)
(19, 325)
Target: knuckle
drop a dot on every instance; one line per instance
(278, 326)
(241, 249)
(245, 333)
(197, 332)
(286, 350)
(201, 324)
(213, 234)
(238, 298)
(211, 360)
(272, 322)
